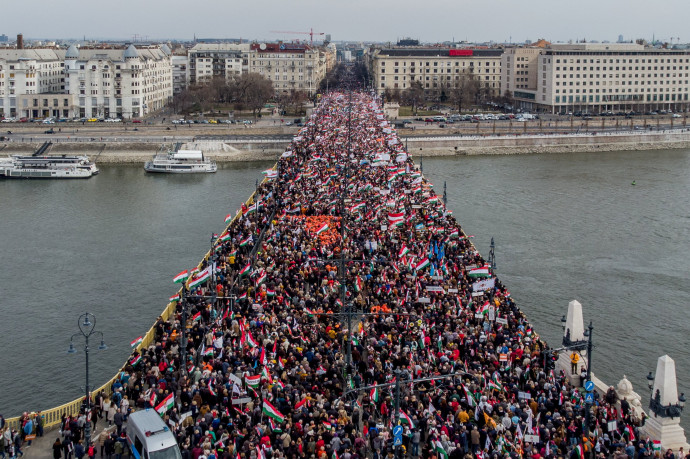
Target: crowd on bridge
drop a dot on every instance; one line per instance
(345, 299)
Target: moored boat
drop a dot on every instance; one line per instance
(64, 166)
(181, 162)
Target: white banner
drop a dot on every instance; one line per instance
(482, 285)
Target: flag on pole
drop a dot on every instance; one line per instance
(301, 403)
(181, 277)
(133, 361)
(167, 403)
(480, 271)
(404, 418)
(440, 450)
(174, 298)
(136, 342)
(374, 394)
(253, 381)
(246, 269)
(228, 217)
(323, 228)
(422, 264)
(272, 412)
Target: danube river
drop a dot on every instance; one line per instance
(566, 227)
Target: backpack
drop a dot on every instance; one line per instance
(92, 451)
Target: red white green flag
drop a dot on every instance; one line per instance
(374, 394)
(175, 297)
(246, 269)
(167, 403)
(481, 271)
(136, 342)
(422, 264)
(181, 277)
(133, 361)
(323, 228)
(253, 381)
(404, 250)
(272, 412)
(228, 217)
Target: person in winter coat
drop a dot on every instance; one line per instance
(57, 449)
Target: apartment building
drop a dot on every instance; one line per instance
(291, 66)
(436, 68)
(124, 82)
(213, 60)
(598, 77)
(29, 72)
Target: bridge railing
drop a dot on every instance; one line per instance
(52, 417)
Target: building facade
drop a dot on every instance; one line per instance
(214, 60)
(436, 69)
(123, 82)
(29, 72)
(599, 77)
(291, 66)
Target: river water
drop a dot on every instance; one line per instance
(566, 227)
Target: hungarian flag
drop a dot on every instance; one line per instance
(225, 237)
(246, 269)
(246, 241)
(422, 264)
(405, 419)
(454, 233)
(152, 399)
(404, 250)
(136, 342)
(196, 316)
(481, 271)
(270, 173)
(270, 292)
(374, 394)
(211, 391)
(396, 217)
(281, 363)
(357, 207)
(250, 340)
(228, 217)
(209, 351)
(253, 381)
(262, 359)
(323, 228)
(440, 450)
(484, 309)
(134, 360)
(327, 425)
(272, 412)
(181, 277)
(243, 296)
(200, 278)
(174, 298)
(167, 403)
(358, 284)
(580, 451)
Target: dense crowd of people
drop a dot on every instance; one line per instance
(345, 225)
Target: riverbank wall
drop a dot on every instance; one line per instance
(135, 150)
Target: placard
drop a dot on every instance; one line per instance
(501, 320)
(384, 227)
(477, 294)
(452, 290)
(502, 357)
(416, 206)
(612, 425)
(423, 299)
(492, 313)
(478, 315)
(235, 379)
(437, 277)
(434, 288)
(524, 395)
(532, 438)
(241, 401)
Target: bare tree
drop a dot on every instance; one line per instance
(463, 91)
(414, 96)
(253, 90)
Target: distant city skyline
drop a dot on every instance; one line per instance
(354, 20)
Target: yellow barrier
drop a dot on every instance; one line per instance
(52, 417)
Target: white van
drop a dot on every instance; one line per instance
(149, 438)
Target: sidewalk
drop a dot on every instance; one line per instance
(42, 447)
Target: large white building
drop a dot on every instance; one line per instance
(29, 72)
(126, 83)
(436, 68)
(597, 77)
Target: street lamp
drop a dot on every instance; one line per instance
(655, 405)
(87, 325)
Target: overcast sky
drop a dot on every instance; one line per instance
(358, 20)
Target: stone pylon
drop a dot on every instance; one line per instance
(574, 333)
(665, 428)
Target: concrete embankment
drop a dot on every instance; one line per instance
(133, 150)
(526, 144)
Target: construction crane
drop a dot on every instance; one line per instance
(311, 34)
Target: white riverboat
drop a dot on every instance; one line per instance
(181, 162)
(62, 167)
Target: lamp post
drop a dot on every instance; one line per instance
(656, 406)
(87, 325)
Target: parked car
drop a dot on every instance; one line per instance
(136, 121)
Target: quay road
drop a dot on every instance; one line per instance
(271, 130)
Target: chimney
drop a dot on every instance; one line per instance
(20, 41)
